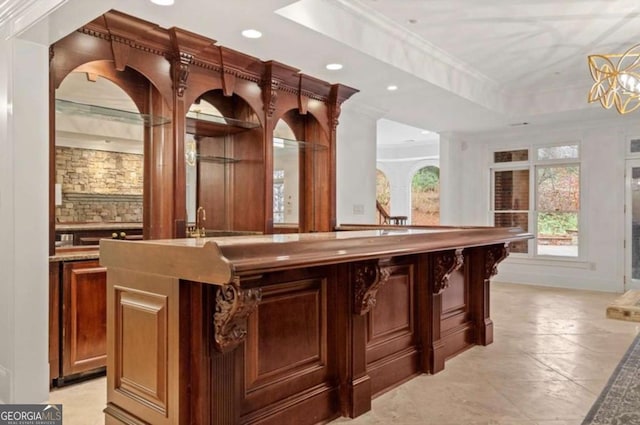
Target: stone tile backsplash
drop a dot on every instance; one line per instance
(99, 186)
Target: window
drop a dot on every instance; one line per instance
(541, 194)
(425, 196)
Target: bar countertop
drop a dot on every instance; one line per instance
(218, 260)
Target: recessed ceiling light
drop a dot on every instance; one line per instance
(425, 132)
(334, 66)
(162, 2)
(251, 33)
(392, 87)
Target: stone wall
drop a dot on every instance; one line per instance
(99, 186)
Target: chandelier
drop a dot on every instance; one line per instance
(617, 80)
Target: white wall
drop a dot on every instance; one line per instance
(356, 165)
(400, 174)
(24, 218)
(24, 152)
(466, 159)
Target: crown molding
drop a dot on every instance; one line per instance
(358, 10)
(20, 15)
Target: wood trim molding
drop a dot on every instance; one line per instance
(495, 254)
(369, 277)
(445, 263)
(233, 306)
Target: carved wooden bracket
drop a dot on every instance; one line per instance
(369, 277)
(494, 255)
(270, 95)
(233, 306)
(121, 53)
(445, 263)
(180, 69)
(337, 95)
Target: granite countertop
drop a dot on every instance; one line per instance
(74, 254)
(97, 226)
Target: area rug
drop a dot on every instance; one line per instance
(619, 402)
(627, 307)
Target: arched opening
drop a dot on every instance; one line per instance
(219, 147)
(99, 154)
(286, 175)
(383, 192)
(425, 196)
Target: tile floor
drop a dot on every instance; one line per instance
(553, 353)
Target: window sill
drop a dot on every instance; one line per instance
(567, 262)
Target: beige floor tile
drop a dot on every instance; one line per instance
(595, 386)
(521, 367)
(548, 400)
(581, 365)
(82, 403)
(614, 343)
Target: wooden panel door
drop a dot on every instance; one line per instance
(84, 317)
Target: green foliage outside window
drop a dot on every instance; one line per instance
(427, 179)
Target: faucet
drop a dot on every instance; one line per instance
(198, 231)
(201, 217)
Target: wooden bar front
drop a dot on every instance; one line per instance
(292, 328)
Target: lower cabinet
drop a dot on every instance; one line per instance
(82, 336)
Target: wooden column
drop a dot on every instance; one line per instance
(485, 262)
(441, 266)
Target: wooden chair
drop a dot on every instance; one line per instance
(385, 218)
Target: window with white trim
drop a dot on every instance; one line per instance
(538, 190)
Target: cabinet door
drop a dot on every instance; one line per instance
(85, 317)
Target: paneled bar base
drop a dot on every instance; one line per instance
(296, 328)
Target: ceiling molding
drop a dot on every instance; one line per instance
(20, 15)
(365, 13)
(364, 29)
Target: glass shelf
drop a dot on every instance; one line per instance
(217, 159)
(110, 114)
(289, 144)
(214, 125)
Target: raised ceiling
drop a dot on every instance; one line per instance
(460, 65)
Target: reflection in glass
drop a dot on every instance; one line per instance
(511, 190)
(278, 196)
(511, 156)
(635, 222)
(558, 152)
(286, 163)
(521, 220)
(191, 177)
(98, 152)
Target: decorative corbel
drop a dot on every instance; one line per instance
(185, 48)
(233, 306)
(335, 108)
(445, 263)
(337, 95)
(303, 98)
(270, 88)
(494, 255)
(180, 69)
(120, 50)
(369, 277)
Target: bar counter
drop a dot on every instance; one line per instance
(289, 328)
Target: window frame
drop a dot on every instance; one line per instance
(533, 164)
